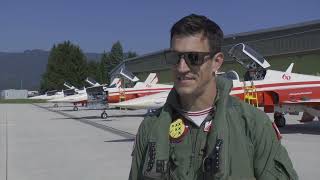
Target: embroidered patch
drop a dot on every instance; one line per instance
(177, 130)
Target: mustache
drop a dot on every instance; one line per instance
(185, 76)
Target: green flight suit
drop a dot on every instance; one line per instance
(249, 150)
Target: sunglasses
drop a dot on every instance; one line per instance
(191, 58)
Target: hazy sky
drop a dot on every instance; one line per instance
(142, 26)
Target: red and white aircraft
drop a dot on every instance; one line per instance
(115, 93)
(140, 89)
(277, 92)
(103, 98)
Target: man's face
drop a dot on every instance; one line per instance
(193, 79)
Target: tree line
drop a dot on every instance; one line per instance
(67, 63)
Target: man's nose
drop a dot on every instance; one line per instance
(182, 66)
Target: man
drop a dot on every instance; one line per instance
(202, 132)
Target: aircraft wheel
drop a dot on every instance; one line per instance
(279, 120)
(104, 115)
(75, 108)
(55, 105)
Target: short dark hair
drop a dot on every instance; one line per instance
(194, 24)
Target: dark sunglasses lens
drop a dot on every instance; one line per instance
(193, 58)
(172, 58)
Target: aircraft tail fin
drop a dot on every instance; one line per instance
(152, 79)
(289, 69)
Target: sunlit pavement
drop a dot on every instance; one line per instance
(38, 143)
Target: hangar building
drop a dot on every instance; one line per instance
(14, 94)
(297, 43)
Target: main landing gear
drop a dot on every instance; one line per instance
(75, 108)
(279, 119)
(104, 115)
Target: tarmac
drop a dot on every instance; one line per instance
(40, 142)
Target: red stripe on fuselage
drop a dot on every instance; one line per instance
(279, 84)
(116, 98)
(139, 91)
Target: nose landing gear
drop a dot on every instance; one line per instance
(75, 108)
(104, 115)
(279, 119)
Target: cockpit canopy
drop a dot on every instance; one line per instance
(252, 61)
(241, 52)
(51, 93)
(128, 75)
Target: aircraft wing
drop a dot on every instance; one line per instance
(71, 99)
(146, 102)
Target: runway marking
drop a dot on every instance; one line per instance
(94, 124)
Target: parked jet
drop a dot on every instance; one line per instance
(277, 92)
(55, 94)
(115, 89)
(148, 87)
(114, 95)
(81, 97)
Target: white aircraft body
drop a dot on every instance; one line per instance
(49, 95)
(152, 101)
(82, 96)
(54, 94)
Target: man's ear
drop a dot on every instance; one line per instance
(217, 61)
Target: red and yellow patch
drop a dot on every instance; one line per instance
(177, 130)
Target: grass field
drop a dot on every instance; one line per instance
(21, 101)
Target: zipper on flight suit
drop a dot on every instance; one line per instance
(195, 143)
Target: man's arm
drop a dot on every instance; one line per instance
(271, 159)
(138, 153)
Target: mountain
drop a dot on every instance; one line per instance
(25, 69)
